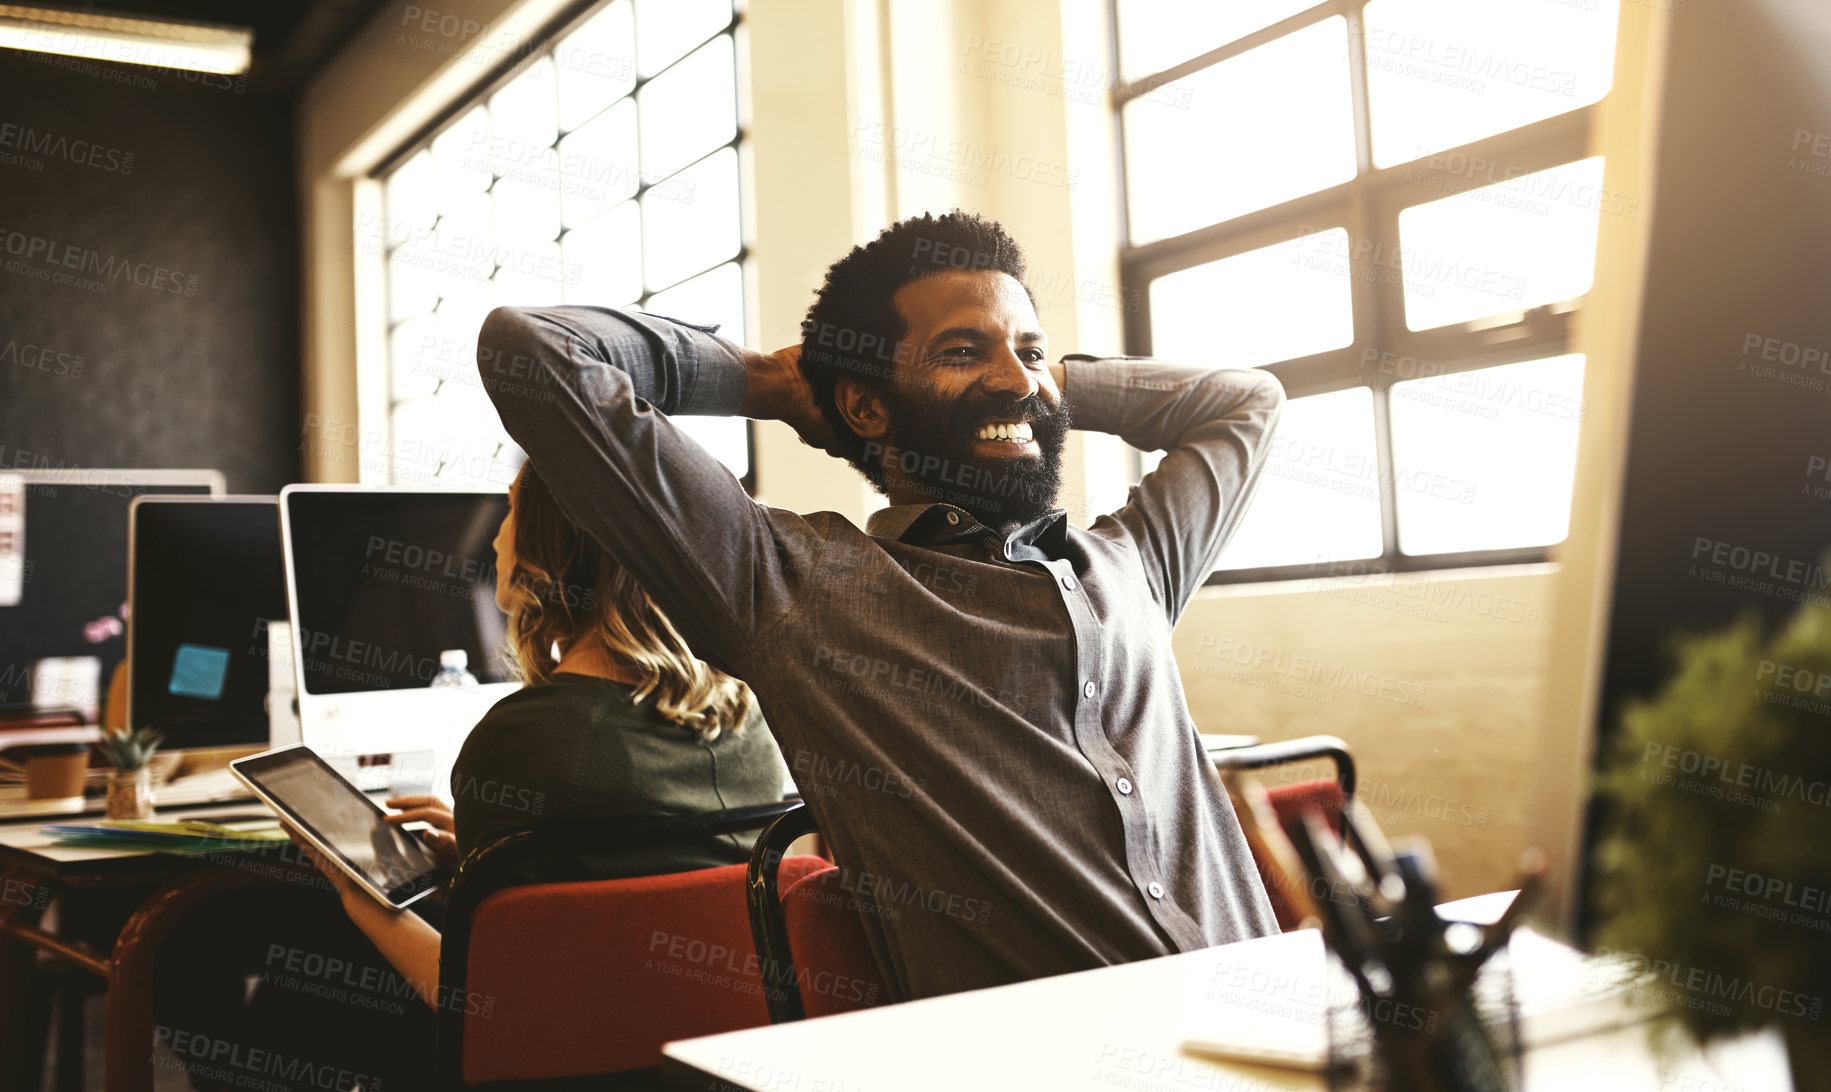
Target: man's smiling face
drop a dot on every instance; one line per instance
(973, 397)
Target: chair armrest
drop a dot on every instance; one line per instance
(768, 927)
(1287, 751)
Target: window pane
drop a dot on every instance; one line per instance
(413, 287)
(1276, 303)
(1445, 72)
(665, 29)
(715, 298)
(596, 65)
(413, 367)
(531, 276)
(690, 222)
(604, 258)
(452, 357)
(1506, 247)
(688, 111)
(412, 452)
(526, 214)
(524, 115)
(1484, 460)
(412, 200)
(1269, 125)
(464, 249)
(1319, 498)
(1154, 35)
(598, 164)
(461, 154)
(726, 438)
(473, 448)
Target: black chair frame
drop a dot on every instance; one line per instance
(768, 928)
(555, 846)
(1284, 752)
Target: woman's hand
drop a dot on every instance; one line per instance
(442, 839)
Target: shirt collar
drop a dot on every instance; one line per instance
(933, 524)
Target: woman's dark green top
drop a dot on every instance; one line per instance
(579, 750)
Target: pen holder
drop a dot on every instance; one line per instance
(1411, 1008)
(1387, 1044)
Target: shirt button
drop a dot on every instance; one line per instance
(1156, 890)
(953, 517)
(1124, 786)
(1090, 689)
(1068, 582)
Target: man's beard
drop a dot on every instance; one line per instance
(935, 443)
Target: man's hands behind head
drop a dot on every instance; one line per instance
(779, 392)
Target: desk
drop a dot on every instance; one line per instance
(1123, 1027)
(32, 867)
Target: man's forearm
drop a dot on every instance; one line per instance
(1155, 406)
(528, 356)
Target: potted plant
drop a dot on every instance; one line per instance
(130, 783)
(1713, 864)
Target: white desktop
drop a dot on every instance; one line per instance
(380, 582)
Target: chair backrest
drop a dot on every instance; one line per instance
(586, 978)
(1290, 802)
(834, 967)
(547, 970)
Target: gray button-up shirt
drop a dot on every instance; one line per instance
(991, 731)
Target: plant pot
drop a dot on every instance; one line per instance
(130, 794)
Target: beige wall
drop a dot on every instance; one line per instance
(1435, 682)
(865, 109)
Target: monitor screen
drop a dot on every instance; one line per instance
(385, 580)
(66, 558)
(207, 577)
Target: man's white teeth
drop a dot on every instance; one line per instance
(1018, 433)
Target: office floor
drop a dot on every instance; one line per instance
(168, 1075)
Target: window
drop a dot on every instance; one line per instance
(603, 170)
(1388, 204)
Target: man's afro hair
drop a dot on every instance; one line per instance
(853, 328)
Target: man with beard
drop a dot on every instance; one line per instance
(977, 699)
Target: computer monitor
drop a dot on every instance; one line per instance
(63, 569)
(205, 578)
(1701, 485)
(381, 581)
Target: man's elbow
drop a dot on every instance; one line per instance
(505, 337)
(1271, 390)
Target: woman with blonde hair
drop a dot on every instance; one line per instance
(618, 719)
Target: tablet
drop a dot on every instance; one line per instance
(346, 826)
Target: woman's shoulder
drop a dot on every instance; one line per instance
(547, 712)
(565, 691)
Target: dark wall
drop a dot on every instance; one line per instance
(171, 196)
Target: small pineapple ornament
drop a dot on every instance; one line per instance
(130, 783)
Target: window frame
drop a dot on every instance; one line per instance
(1367, 206)
(505, 72)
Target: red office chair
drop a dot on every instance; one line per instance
(809, 942)
(580, 977)
(1291, 801)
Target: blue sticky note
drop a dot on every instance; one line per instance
(199, 671)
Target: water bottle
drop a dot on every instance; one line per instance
(454, 671)
(458, 711)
